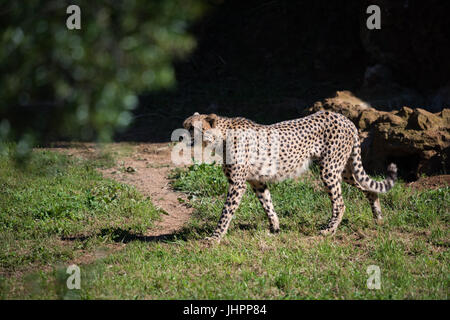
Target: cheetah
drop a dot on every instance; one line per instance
(272, 153)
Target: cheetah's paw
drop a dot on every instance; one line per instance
(327, 232)
(211, 240)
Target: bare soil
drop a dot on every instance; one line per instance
(433, 182)
(148, 169)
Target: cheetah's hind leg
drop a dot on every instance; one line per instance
(332, 179)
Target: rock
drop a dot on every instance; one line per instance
(393, 119)
(424, 120)
(367, 118)
(130, 170)
(416, 152)
(405, 112)
(343, 102)
(417, 140)
(445, 114)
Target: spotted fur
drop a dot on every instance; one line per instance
(285, 150)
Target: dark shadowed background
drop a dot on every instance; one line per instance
(268, 60)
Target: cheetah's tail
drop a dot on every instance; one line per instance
(362, 177)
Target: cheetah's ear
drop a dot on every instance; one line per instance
(196, 114)
(212, 119)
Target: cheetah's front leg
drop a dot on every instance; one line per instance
(236, 190)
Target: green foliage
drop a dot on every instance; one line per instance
(55, 196)
(200, 179)
(90, 77)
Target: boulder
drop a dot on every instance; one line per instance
(417, 140)
(423, 120)
(367, 118)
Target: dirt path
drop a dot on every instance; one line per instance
(147, 169)
(145, 166)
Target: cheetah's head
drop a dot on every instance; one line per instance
(201, 125)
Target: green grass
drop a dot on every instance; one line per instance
(54, 209)
(411, 249)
